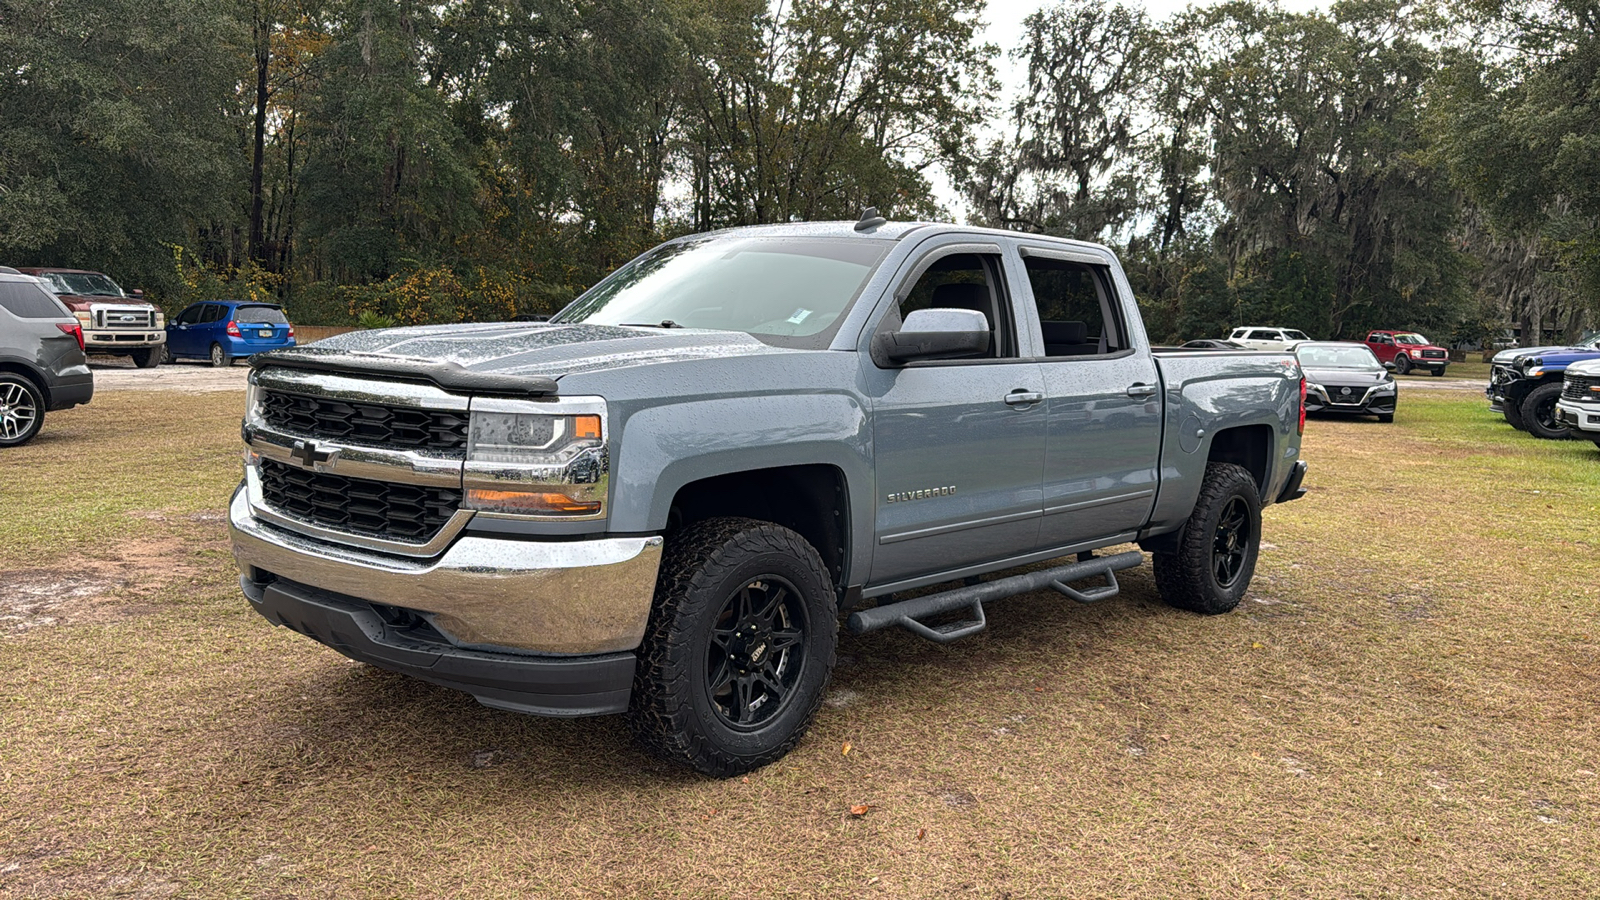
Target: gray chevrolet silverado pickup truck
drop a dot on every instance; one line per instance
(663, 501)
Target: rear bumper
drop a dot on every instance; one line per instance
(548, 686)
(240, 349)
(71, 390)
(1292, 489)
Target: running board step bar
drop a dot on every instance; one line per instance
(906, 612)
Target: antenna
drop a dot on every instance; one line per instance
(870, 219)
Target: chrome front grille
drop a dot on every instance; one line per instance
(124, 318)
(409, 513)
(441, 433)
(1346, 395)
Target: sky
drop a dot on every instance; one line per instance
(1003, 28)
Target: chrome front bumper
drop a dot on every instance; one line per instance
(489, 594)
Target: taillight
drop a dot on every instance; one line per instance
(291, 332)
(74, 329)
(233, 330)
(1302, 404)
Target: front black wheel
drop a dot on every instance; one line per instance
(1385, 417)
(1437, 371)
(1539, 413)
(1217, 548)
(1512, 410)
(1402, 364)
(21, 410)
(147, 358)
(739, 647)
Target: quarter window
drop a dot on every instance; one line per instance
(27, 300)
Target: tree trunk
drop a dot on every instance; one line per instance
(263, 42)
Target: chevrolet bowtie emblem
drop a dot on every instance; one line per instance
(307, 454)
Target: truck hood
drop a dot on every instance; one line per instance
(82, 302)
(1504, 357)
(519, 350)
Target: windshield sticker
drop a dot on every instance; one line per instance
(799, 316)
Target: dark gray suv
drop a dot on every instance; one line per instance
(42, 364)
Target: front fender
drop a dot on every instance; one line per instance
(665, 447)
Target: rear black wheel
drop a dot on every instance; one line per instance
(739, 647)
(1539, 413)
(1215, 558)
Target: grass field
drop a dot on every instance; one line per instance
(1405, 706)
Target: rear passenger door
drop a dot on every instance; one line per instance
(1102, 390)
(958, 444)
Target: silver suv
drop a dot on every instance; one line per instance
(42, 363)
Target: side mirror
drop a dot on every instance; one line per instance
(934, 334)
(1389, 366)
(137, 293)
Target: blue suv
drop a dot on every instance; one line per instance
(224, 330)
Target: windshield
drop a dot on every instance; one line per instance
(788, 291)
(1410, 339)
(85, 284)
(1327, 356)
(1290, 334)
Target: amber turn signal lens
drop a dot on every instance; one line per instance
(535, 502)
(586, 426)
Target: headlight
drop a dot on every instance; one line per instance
(161, 319)
(537, 459)
(1529, 362)
(85, 318)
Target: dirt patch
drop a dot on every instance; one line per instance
(105, 590)
(32, 599)
(122, 375)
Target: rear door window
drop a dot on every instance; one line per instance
(213, 313)
(1076, 312)
(260, 315)
(27, 300)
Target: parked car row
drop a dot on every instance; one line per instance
(1527, 386)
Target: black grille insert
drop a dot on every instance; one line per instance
(435, 432)
(396, 512)
(1577, 387)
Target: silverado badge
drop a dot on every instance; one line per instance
(903, 496)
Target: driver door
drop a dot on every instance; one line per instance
(959, 444)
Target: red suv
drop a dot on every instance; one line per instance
(1407, 350)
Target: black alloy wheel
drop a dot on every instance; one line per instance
(738, 649)
(757, 653)
(1208, 567)
(1539, 413)
(1402, 364)
(1230, 547)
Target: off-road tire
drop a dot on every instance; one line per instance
(146, 358)
(24, 405)
(219, 357)
(1512, 410)
(1187, 578)
(1544, 394)
(673, 712)
(1402, 364)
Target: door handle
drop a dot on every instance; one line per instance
(1140, 389)
(1023, 398)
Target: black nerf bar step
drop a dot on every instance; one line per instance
(905, 613)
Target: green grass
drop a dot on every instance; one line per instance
(1406, 705)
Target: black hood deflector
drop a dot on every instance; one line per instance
(448, 375)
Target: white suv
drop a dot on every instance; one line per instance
(1261, 337)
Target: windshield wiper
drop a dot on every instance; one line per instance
(664, 323)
